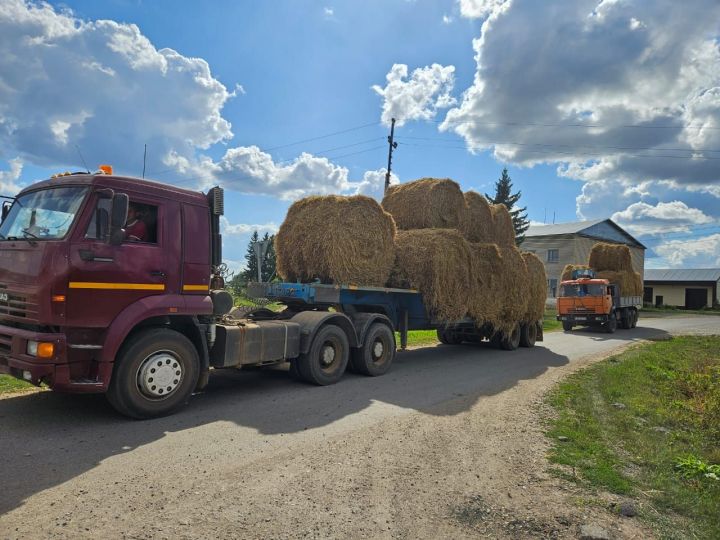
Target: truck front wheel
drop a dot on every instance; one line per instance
(327, 358)
(154, 374)
(377, 353)
(612, 324)
(567, 326)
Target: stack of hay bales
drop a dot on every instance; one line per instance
(492, 288)
(344, 240)
(456, 249)
(614, 263)
(537, 280)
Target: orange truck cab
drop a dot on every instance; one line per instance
(590, 301)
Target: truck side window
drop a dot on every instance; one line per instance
(99, 227)
(141, 223)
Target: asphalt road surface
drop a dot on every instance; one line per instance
(260, 455)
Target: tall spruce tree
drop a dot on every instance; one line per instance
(267, 265)
(504, 195)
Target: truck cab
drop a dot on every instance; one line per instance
(75, 285)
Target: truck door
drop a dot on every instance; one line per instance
(105, 279)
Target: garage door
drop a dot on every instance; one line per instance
(695, 298)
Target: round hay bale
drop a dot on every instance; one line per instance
(477, 222)
(630, 282)
(428, 203)
(504, 234)
(343, 240)
(537, 287)
(437, 263)
(615, 257)
(570, 268)
(484, 300)
(512, 288)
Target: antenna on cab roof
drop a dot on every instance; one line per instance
(144, 159)
(82, 159)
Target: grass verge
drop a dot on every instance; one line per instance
(646, 424)
(9, 385)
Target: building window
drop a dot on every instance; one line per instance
(553, 255)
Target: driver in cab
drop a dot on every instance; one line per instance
(135, 228)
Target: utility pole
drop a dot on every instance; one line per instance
(392, 146)
(260, 247)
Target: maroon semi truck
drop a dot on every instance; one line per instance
(113, 284)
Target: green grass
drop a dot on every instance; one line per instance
(9, 385)
(646, 424)
(550, 323)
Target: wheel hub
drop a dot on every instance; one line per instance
(327, 356)
(378, 349)
(159, 375)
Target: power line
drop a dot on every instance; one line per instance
(602, 126)
(348, 130)
(650, 148)
(560, 152)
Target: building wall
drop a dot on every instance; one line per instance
(674, 295)
(572, 249)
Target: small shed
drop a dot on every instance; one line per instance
(690, 288)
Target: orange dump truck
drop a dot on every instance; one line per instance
(587, 300)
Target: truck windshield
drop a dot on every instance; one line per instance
(43, 215)
(582, 290)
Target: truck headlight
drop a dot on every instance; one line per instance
(40, 349)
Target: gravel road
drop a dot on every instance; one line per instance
(447, 444)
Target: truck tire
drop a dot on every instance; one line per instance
(511, 341)
(567, 326)
(635, 317)
(154, 374)
(377, 353)
(448, 337)
(294, 371)
(611, 325)
(327, 358)
(626, 319)
(528, 335)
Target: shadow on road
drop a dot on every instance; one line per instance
(636, 334)
(47, 438)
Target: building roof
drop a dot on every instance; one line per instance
(601, 229)
(682, 274)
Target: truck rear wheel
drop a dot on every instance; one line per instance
(377, 353)
(327, 358)
(567, 326)
(528, 335)
(626, 319)
(511, 341)
(635, 317)
(154, 374)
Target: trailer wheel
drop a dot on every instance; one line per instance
(154, 374)
(528, 335)
(327, 358)
(377, 353)
(448, 337)
(611, 325)
(567, 326)
(511, 341)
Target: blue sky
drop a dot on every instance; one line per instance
(598, 108)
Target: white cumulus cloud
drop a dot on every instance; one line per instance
(417, 97)
(694, 253)
(479, 9)
(645, 219)
(9, 178)
(227, 228)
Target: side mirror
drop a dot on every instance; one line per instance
(5, 210)
(118, 217)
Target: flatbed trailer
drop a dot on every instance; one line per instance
(326, 328)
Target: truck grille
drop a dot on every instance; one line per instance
(17, 305)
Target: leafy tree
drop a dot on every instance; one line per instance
(267, 264)
(504, 195)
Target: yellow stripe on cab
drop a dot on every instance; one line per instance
(117, 286)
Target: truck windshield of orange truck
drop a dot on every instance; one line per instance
(577, 289)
